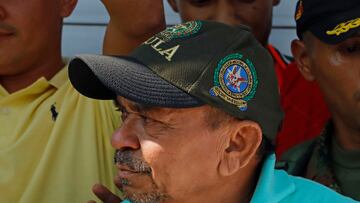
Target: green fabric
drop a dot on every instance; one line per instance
(295, 160)
(187, 65)
(193, 70)
(346, 165)
(320, 165)
(315, 160)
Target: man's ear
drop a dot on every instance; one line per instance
(302, 59)
(242, 144)
(276, 2)
(174, 5)
(67, 7)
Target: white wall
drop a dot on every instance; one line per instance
(83, 31)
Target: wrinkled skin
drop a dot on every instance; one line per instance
(174, 155)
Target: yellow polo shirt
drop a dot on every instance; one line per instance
(54, 143)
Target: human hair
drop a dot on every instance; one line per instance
(215, 118)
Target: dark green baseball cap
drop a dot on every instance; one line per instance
(189, 65)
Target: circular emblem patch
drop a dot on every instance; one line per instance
(235, 81)
(181, 30)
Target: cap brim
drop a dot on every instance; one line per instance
(325, 30)
(105, 77)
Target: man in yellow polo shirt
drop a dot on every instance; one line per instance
(54, 143)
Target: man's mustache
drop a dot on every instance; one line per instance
(7, 28)
(135, 164)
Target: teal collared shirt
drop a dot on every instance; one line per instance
(276, 186)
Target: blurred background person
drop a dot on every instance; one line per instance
(328, 52)
(54, 143)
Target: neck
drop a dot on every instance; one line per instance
(15, 82)
(346, 136)
(237, 188)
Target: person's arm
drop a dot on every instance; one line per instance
(131, 23)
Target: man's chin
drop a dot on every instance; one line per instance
(140, 188)
(148, 197)
(137, 193)
(137, 182)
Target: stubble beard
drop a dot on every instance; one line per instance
(139, 166)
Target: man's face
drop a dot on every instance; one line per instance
(166, 154)
(30, 32)
(256, 14)
(336, 68)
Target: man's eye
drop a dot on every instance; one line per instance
(353, 48)
(200, 2)
(124, 115)
(146, 119)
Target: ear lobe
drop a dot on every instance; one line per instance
(67, 7)
(173, 5)
(301, 57)
(242, 146)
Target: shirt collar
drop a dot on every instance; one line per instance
(56, 81)
(3, 92)
(273, 185)
(60, 78)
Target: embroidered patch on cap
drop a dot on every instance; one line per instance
(235, 81)
(344, 27)
(177, 31)
(181, 30)
(299, 10)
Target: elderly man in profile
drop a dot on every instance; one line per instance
(200, 111)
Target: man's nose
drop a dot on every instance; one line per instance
(125, 137)
(226, 13)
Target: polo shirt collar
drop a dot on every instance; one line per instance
(41, 84)
(60, 78)
(273, 185)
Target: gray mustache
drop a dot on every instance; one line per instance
(135, 164)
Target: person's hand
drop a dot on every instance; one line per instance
(131, 23)
(135, 12)
(104, 194)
